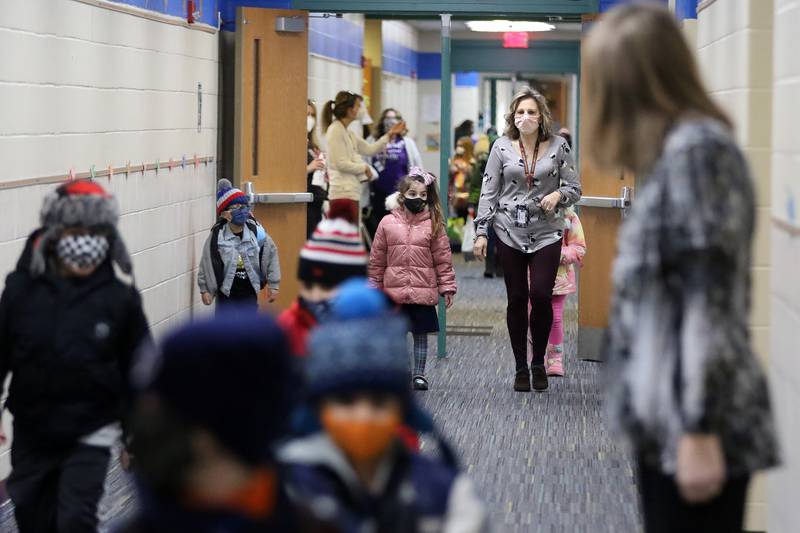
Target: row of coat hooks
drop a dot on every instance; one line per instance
(141, 168)
(110, 172)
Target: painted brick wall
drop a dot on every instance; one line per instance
(399, 87)
(334, 64)
(88, 86)
(784, 513)
(734, 40)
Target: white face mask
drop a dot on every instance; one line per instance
(460, 150)
(526, 124)
(363, 116)
(310, 123)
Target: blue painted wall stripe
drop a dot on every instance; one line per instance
(399, 59)
(686, 9)
(429, 66)
(467, 79)
(177, 8)
(605, 5)
(339, 39)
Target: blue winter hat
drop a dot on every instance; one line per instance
(230, 374)
(364, 354)
(357, 299)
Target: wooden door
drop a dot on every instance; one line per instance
(600, 226)
(270, 146)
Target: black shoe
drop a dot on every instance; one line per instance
(522, 381)
(419, 383)
(488, 275)
(539, 378)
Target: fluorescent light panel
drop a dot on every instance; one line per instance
(496, 26)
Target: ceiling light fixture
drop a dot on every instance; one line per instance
(496, 26)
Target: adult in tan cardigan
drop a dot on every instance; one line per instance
(346, 167)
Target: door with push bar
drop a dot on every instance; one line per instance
(601, 217)
(270, 118)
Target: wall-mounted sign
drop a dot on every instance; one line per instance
(515, 39)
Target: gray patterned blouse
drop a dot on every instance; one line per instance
(678, 345)
(505, 195)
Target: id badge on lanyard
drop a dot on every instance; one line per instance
(521, 217)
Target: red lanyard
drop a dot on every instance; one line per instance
(529, 175)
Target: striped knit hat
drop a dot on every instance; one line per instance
(334, 253)
(228, 195)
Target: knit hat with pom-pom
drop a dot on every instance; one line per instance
(334, 253)
(228, 195)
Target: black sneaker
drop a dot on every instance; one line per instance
(488, 275)
(539, 378)
(419, 383)
(522, 381)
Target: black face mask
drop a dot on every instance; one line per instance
(415, 205)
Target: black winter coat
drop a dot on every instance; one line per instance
(68, 344)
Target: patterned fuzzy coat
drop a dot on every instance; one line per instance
(679, 351)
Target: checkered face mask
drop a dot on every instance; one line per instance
(82, 251)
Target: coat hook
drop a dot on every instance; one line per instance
(91, 173)
(71, 174)
(183, 161)
(110, 172)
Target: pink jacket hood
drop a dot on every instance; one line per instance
(410, 264)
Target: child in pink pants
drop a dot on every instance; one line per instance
(573, 249)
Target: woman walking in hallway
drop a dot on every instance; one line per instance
(393, 164)
(529, 181)
(346, 168)
(685, 387)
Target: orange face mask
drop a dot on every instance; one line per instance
(255, 500)
(361, 440)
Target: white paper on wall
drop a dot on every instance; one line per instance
(431, 108)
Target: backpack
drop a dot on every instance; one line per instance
(216, 258)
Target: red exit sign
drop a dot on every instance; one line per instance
(515, 39)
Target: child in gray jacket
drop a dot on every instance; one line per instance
(239, 257)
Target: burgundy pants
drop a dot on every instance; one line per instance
(346, 209)
(542, 266)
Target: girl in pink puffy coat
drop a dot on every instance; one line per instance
(411, 260)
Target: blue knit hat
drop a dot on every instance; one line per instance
(359, 355)
(362, 349)
(230, 374)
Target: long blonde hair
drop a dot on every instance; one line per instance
(545, 122)
(433, 202)
(640, 78)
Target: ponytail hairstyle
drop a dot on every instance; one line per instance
(418, 175)
(337, 109)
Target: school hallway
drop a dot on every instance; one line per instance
(543, 463)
